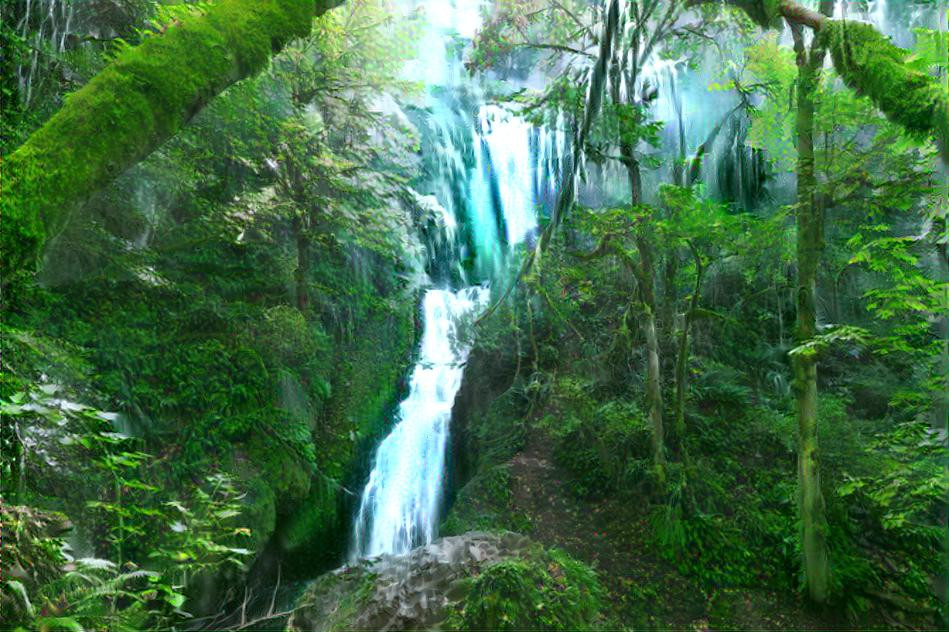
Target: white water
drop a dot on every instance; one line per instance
(402, 499)
(490, 172)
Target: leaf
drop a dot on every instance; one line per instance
(240, 551)
(227, 513)
(176, 600)
(51, 623)
(94, 563)
(20, 591)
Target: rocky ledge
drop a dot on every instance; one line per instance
(468, 582)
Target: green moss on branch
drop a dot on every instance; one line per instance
(872, 66)
(131, 107)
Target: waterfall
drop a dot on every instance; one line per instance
(401, 501)
(488, 174)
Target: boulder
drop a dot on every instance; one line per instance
(410, 592)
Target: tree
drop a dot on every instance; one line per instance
(867, 61)
(138, 101)
(337, 151)
(810, 226)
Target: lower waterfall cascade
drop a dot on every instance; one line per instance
(401, 501)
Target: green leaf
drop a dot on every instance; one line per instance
(20, 590)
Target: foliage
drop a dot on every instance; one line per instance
(604, 442)
(146, 94)
(892, 514)
(873, 66)
(551, 592)
(175, 299)
(157, 548)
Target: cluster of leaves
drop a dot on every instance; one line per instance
(175, 287)
(893, 518)
(154, 550)
(601, 440)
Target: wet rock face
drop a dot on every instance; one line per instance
(410, 592)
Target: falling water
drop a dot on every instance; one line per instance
(401, 501)
(489, 173)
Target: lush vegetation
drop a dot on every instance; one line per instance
(714, 392)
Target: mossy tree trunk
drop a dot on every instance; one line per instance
(126, 111)
(301, 274)
(683, 351)
(813, 521)
(646, 279)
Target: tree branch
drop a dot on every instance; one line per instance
(131, 107)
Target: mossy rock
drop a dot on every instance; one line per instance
(547, 590)
(311, 530)
(485, 503)
(313, 535)
(286, 474)
(259, 512)
(460, 582)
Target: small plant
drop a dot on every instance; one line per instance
(157, 547)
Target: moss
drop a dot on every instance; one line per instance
(365, 386)
(548, 590)
(313, 535)
(260, 511)
(363, 392)
(132, 106)
(871, 65)
(340, 596)
(24, 354)
(765, 13)
(283, 470)
(485, 503)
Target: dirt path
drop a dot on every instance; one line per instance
(611, 535)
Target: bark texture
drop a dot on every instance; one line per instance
(810, 243)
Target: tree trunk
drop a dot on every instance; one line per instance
(654, 391)
(301, 274)
(136, 103)
(813, 521)
(647, 292)
(682, 356)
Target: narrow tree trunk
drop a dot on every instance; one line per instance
(682, 356)
(301, 274)
(813, 521)
(647, 292)
(654, 390)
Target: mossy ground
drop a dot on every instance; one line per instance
(613, 533)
